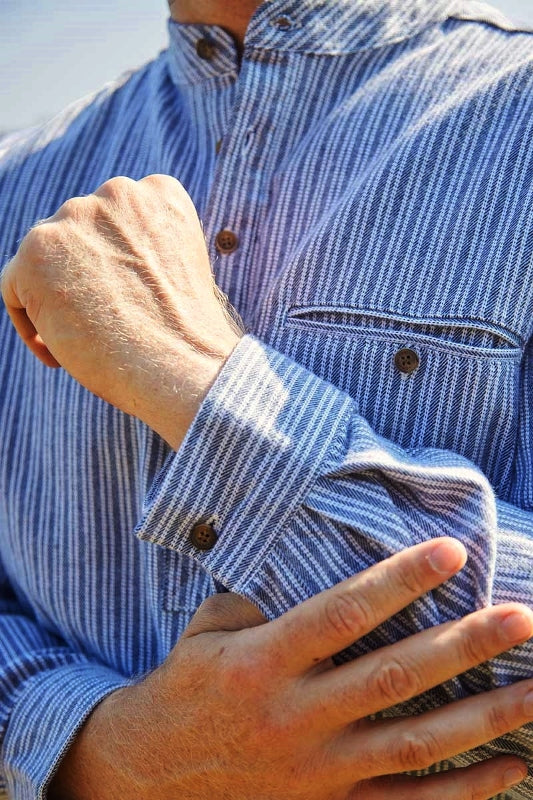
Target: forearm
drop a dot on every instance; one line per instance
(93, 767)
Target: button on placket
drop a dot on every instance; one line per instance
(226, 241)
(242, 163)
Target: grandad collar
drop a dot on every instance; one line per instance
(322, 27)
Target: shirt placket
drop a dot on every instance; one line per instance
(247, 156)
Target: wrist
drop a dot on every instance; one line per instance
(175, 389)
(91, 767)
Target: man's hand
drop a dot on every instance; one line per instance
(117, 289)
(243, 710)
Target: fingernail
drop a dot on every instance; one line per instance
(516, 627)
(513, 776)
(447, 557)
(528, 703)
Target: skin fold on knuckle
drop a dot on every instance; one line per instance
(497, 721)
(412, 750)
(393, 681)
(410, 581)
(473, 646)
(346, 614)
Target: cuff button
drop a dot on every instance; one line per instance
(203, 536)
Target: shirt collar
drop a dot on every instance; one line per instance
(323, 27)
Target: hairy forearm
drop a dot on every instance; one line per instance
(91, 769)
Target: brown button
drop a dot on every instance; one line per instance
(226, 242)
(205, 49)
(218, 145)
(203, 536)
(406, 360)
(282, 23)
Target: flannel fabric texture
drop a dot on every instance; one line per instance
(374, 159)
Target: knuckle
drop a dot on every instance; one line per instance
(473, 648)
(170, 189)
(244, 674)
(395, 681)
(38, 241)
(6, 272)
(497, 722)
(347, 614)
(409, 582)
(475, 792)
(116, 188)
(74, 208)
(161, 181)
(415, 750)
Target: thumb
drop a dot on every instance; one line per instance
(224, 612)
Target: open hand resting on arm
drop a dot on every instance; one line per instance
(244, 709)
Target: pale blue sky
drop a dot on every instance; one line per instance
(61, 50)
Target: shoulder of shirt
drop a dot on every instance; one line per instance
(503, 46)
(485, 14)
(62, 129)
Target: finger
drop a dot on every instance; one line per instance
(27, 332)
(21, 322)
(334, 619)
(397, 673)
(115, 188)
(477, 782)
(409, 744)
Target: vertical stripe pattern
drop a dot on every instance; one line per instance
(374, 159)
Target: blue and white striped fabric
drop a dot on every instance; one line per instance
(376, 164)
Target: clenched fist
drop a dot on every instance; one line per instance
(117, 289)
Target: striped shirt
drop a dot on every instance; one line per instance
(374, 160)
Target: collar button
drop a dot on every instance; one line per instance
(282, 23)
(205, 49)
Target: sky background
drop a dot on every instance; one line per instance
(61, 50)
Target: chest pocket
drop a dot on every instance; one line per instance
(448, 383)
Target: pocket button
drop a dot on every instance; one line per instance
(406, 360)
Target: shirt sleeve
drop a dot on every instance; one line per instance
(302, 493)
(47, 690)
